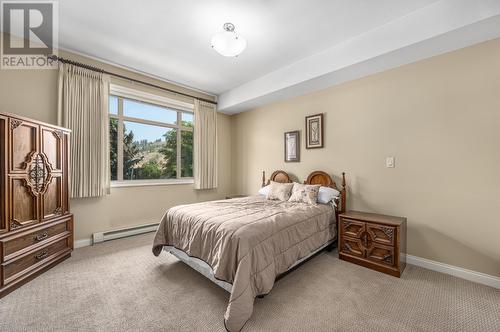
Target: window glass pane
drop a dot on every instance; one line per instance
(149, 152)
(150, 112)
(113, 148)
(187, 154)
(113, 105)
(187, 119)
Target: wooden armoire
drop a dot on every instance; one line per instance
(36, 227)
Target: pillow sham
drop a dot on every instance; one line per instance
(305, 193)
(327, 194)
(264, 191)
(279, 191)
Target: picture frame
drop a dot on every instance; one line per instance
(292, 146)
(314, 131)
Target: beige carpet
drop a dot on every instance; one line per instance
(121, 286)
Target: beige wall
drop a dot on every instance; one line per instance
(440, 118)
(33, 93)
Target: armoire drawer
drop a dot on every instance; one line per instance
(34, 238)
(16, 268)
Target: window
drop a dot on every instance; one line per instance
(149, 141)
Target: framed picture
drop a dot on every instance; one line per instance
(292, 146)
(314, 131)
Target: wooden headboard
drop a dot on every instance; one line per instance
(322, 178)
(277, 176)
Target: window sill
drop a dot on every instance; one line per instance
(147, 183)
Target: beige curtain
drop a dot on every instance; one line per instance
(83, 108)
(205, 145)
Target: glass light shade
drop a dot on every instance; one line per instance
(228, 43)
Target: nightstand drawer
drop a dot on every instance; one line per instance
(352, 246)
(352, 228)
(382, 234)
(379, 253)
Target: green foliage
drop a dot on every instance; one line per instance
(150, 170)
(151, 160)
(169, 150)
(130, 151)
(130, 155)
(113, 142)
(187, 153)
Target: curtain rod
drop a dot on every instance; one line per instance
(89, 67)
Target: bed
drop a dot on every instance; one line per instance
(245, 244)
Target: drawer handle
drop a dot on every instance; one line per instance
(42, 236)
(42, 255)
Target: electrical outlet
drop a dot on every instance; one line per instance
(390, 162)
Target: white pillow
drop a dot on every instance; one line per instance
(327, 194)
(264, 191)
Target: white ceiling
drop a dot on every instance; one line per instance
(440, 27)
(294, 47)
(171, 38)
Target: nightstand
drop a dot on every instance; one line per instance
(373, 240)
(235, 196)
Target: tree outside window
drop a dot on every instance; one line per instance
(149, 142)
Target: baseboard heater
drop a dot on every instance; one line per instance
(123, 232)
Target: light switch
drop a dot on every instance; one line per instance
(389, 162)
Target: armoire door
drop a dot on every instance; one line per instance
(23, 142)
(52, 199)
(23, 203)
(3, 175)
(25, 172)
(53, 148)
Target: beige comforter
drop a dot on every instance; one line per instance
(247, 242)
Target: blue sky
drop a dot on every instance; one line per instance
(148, 112)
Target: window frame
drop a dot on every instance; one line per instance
(122, 93)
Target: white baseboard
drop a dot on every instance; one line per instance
(82, 243)
(480, 278)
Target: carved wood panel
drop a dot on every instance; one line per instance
(22, 143)
(381, 254)
(352, 228)
(321, 178)
(381, 233)
(24, 204)
(352, 246)
(52, 147)
(3, 175)
(52, 199)
(38, 173)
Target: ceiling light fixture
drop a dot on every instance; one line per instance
(228, 43)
